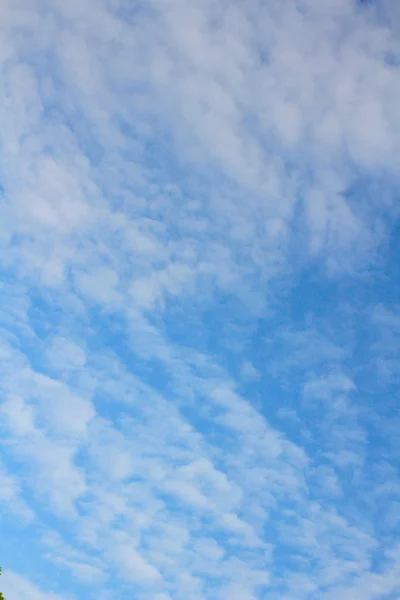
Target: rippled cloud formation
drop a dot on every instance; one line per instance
(200, 316)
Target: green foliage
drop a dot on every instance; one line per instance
(1, 595)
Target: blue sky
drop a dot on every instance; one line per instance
(200, 317)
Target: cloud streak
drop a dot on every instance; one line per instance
(198, 335)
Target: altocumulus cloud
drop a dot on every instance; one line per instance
(199, 331)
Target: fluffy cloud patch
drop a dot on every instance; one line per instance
(198, 322)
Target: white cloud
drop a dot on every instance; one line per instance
(248, 371)
(63, 354)
(170, 173)
(133, 566)
(16, 587)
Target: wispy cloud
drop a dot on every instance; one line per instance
(198, 335)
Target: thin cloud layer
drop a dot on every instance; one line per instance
(199, 328)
